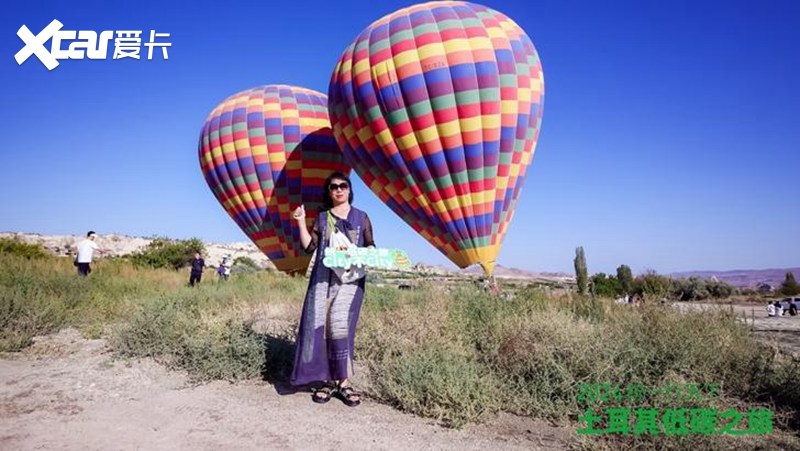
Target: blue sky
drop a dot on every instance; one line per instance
(670, 138)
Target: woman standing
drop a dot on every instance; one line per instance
(325, 341)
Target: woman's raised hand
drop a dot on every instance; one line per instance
(299, 213)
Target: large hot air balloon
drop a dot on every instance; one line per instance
(438, 108)
(263, 152)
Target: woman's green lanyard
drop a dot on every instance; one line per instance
(331, 224)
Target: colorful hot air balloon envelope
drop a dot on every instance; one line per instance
(438, 108)
(265, 151)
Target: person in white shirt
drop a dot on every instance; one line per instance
(224, 270)
(86, 250)
(770, 309)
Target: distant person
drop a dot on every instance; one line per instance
(770, 309)
(792, 307)
(197, 269)
(485, 285)
(224, 269)
(494, 288)
(778, 308)
(86, 250)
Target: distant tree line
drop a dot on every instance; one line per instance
(650, 284)
(654, 285)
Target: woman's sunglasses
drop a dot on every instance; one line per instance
(342, 186)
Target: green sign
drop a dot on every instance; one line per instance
(366, 256)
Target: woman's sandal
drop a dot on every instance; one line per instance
(323, 394)
(349, 396)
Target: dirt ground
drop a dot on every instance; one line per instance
(66, 392)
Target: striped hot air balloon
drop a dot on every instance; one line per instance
(438, 108)
(263, 152)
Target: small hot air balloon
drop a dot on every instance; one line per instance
(263, 152)
(438, 108)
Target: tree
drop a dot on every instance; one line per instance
(692, 289)
(625, 278)
(789, 287)
(719, 289)
(605, 286)
(652, 285)
(581, 273)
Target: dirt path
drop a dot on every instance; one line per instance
(66, 392)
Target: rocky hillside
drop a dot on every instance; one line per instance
(503, 272)
(113, 245)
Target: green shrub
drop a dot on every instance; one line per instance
(167, 253)
(652, 285)
(21, 249)
(720, 290)
(156, 329)
(385, 298)
(698, 289)
(606, 286)
(438, 383)
(227, 351)
(247, 262)
(173, 332)
(27, 311)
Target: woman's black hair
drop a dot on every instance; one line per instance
(327, 202)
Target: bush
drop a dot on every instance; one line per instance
(245, 265)
(25, 312)
(20, 249)
(698, 289)
(691, 289)
(172, 331)
(439, 383)
(167, 253)
(606, 286)
(652, 285)
(720, 290)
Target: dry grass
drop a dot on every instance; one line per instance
(454, 356)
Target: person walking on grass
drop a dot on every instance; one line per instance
(326, 336)
(196, 273)
(85, 253)
(224, 269)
